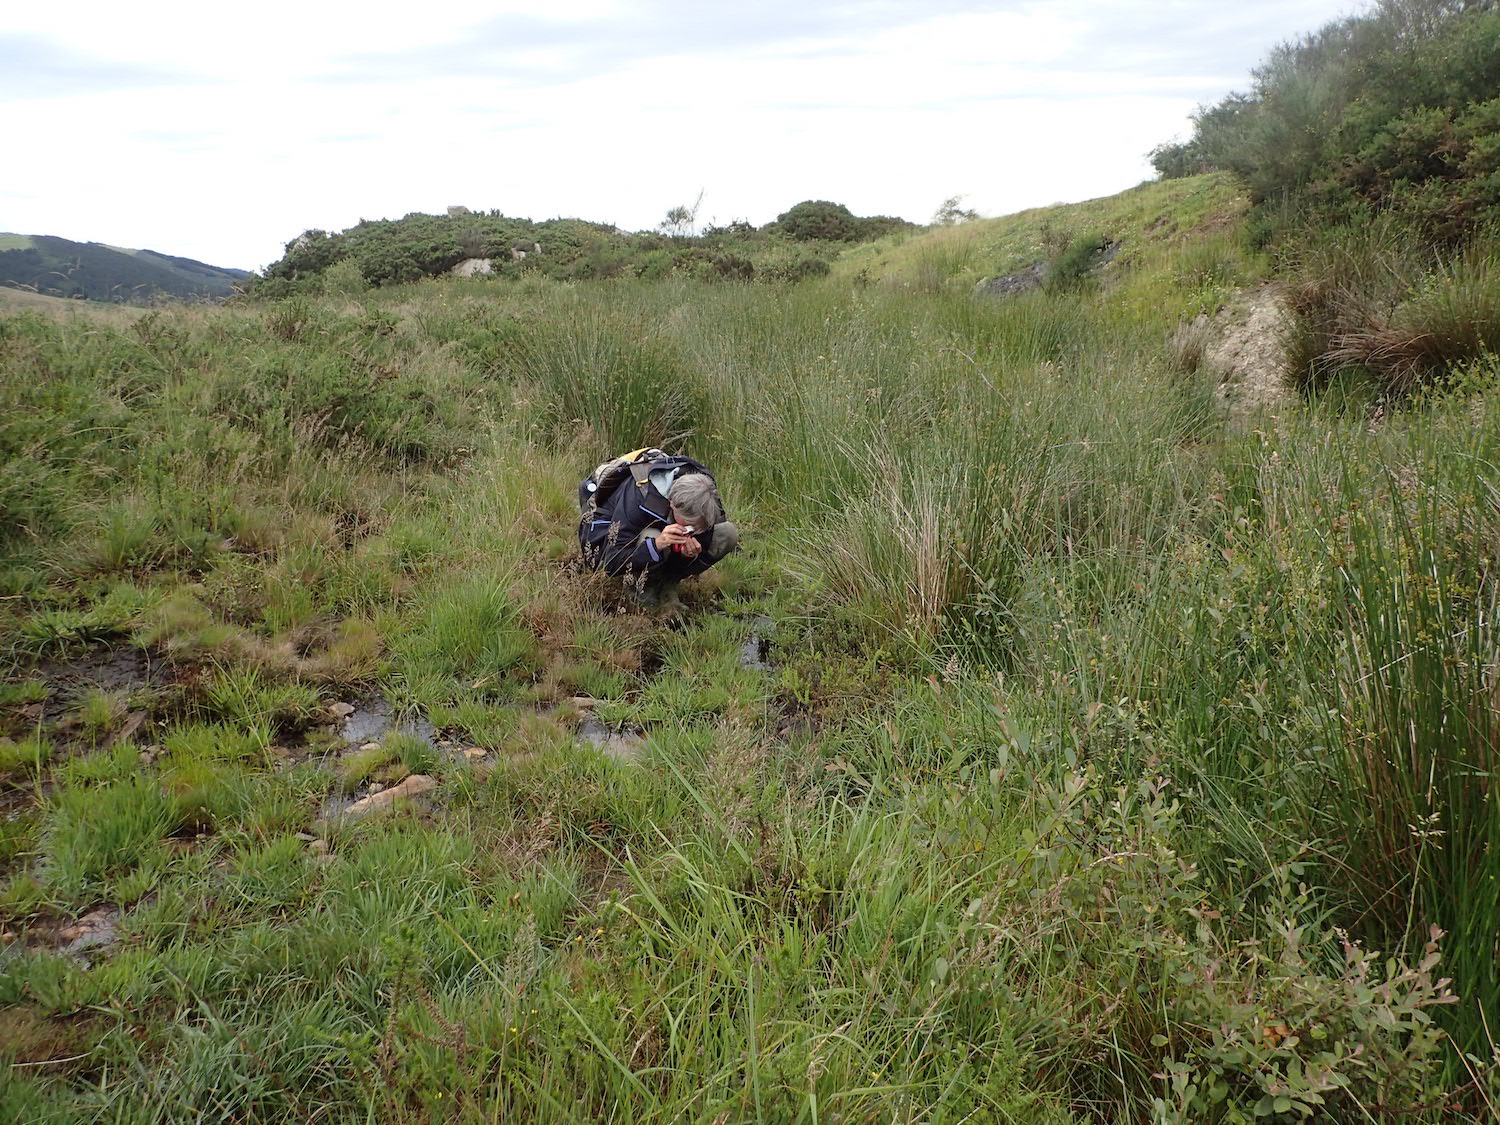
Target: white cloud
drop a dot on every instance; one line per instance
(221, 134)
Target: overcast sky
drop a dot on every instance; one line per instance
(220, 132)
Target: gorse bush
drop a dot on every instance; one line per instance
(1393, 109)
(402, 251)
(819, 220)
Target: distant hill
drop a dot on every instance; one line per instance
(59, 267)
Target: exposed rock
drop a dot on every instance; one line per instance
(318, 847)
(94, 930)
(413, 786)
(475, 754)
(1023, 280)
(458, 210)
(369, 746)
(341, 710)
(473, 267)
(1034, 276)
(1249, 357)
(1106, 252)
(584, 702)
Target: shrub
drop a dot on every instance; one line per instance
(1077, 260)
(1391, 109)
(818, 219)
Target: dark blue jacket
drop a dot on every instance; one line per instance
(618, 514)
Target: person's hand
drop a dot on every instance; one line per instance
(677, 537)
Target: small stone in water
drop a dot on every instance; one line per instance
(414, 785)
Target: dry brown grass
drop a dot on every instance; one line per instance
(21, 300)
(1406, 324)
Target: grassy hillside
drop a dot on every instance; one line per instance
(16, 301)
(1055, 751)
(1151, 223)
(58, 267)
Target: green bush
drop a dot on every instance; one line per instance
(1077, 260)
(1391, 109)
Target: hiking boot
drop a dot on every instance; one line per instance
(662, 598)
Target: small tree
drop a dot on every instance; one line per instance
(949, 213)
(682, 219)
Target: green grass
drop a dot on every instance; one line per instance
(1153, 222)
(1094, 724)
(95, 833)
(22, 757)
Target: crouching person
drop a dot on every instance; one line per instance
(653, 519)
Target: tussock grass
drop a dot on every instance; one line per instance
(229, 742)
(22, 757)
(94, 834)
(1385, 308)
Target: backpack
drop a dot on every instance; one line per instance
(603, 481)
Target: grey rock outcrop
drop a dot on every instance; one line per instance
(1023, 280)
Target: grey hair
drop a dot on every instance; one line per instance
(696, 499)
